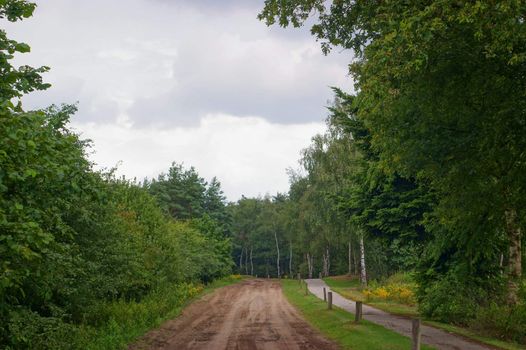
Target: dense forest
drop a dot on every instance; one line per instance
(421, 170)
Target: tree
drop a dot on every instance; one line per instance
(441, 90)
(183, 193)
(16, 82)
(77, 245)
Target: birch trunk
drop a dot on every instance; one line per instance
(515, 252)
(241, 261)
(355, 262)
(246, 261)
(251, 263)
(363, 271)
(327, 272)
(323, 264)
(310, 261)
(277, 249)
(350, 267)
(290, 260)
(311, 272)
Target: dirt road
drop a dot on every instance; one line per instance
(251, 315)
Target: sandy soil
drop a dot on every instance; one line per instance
(251, 315)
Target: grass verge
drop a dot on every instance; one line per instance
(350, 289)
(471, 335)
(339, 325)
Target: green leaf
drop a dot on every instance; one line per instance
(30, 173)
(22, 47)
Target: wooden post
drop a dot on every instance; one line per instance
(306, 288)
(358, 312)
(320, 275)
(416, 334)
(268, 276)
(329, 301)
(299, 277)
(324, 294)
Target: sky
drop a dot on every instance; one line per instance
(199, 82)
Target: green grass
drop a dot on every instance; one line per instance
(469, 334)
(339, 325)
(350, 289)
(127, 321)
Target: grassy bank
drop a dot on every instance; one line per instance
(350, 289)
(121, 322)
(339, 325)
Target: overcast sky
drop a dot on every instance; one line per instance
(196, 81)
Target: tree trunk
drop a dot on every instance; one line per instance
(251, 263)
(310, 259)
(363, 271)
(311, 273)
(308, 262)
(328, 270)
(290, 260)
(246, 261)
(515, 256)
(350, 251)
(277, 249)
(354, 257)
(241, 261)
(323, 264)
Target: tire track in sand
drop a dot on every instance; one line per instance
(253, 314)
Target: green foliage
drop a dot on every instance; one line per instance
(257, 223)
(72, 238)
(183, 194)
(451, 300)
(122, 321)
(502, 322)
(16, 82)
(82, 252)
(439, 117)
(346, 193)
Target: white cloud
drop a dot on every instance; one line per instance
(175, 80)
(172, 62)
(249, 155)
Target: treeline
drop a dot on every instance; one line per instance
(83, 254)
(425, 162)
(343, 213)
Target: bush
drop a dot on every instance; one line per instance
(107, 325)
(122, 321)
(74, 242)
(503, 322)
(29, 330)
(401, 278)
(399, 287)
(451, 300)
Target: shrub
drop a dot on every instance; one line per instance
(399, 287)
(501, 321)
(451, 300)
(29, 330)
